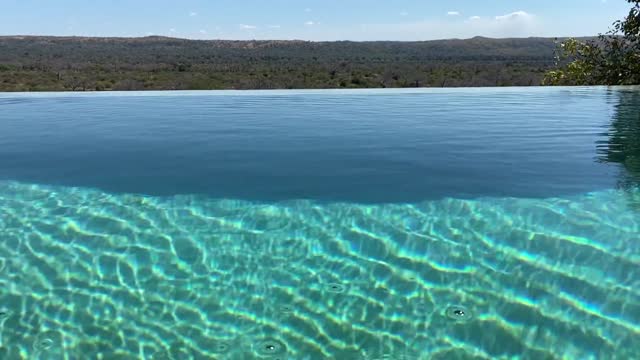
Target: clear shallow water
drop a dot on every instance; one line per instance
(330, 225)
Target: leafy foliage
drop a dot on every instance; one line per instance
(613, 59)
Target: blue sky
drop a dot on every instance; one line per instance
(310, 19)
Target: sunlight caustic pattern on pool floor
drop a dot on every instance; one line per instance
(87, 274)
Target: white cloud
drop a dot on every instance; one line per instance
(172, 30)
(453, 13)
(514, 15)
(203, 31)
(307, 10)
(193, 13)
(404, 13)
(518, 24)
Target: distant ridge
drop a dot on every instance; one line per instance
(37, 63)
(162, 37)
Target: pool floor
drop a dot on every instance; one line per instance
(85, 274)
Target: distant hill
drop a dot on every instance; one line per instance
(37, 63)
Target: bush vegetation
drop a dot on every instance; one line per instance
(159, 63)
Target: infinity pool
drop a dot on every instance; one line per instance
(378, 224)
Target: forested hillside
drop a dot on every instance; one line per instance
(75, 63)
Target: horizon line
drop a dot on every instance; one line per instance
(20, 37)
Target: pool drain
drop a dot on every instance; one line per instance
(269, 347)
(458, 313)
(4, 314)
(221, 347)
(47, 340)
(335, 288)
(45, 344)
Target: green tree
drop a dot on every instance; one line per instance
(613, 59)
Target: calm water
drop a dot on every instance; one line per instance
(423, 224)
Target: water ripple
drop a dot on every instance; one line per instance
(89, 274)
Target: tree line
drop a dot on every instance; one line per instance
(160, 63)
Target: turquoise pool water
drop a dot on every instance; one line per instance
(428, 224)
